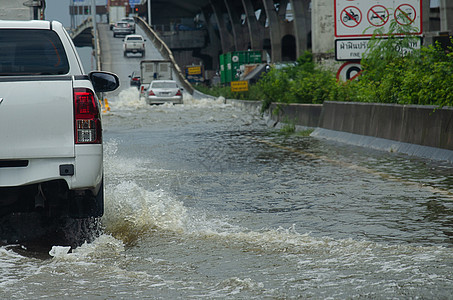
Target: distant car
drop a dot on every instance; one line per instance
(163, 91)
(131, 22)
(135, 80)
(134, 43)
(122, 28)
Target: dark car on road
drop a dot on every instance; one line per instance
(135, 79)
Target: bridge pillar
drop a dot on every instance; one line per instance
(446, 16)
(302, 25)
(256, 30)
(214, 47)
(323, 26)
(240, 35)
(226, 39)
(274, 30)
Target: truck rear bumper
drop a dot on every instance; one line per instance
(81, 173)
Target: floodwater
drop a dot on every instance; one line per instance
(204, 201)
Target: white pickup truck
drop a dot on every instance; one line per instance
(51, 155)
(134, 43)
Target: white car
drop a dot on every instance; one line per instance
(51, 153)
(131, 22)
(134, 43)
(122, 28)
(163, 91)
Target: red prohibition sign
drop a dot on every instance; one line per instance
(405, 14)
(351, 16)
(378, 15)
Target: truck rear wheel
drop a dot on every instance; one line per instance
(85, 205)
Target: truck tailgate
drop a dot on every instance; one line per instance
(36, 124)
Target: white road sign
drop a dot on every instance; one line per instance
(360, 18)
(354, 49)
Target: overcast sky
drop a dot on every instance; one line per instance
(59, 9)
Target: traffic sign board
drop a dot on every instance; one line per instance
(349, 71)
(405, 14)
(239, 86)
(351, 16)
(378, 15)
(132, 3)
(354, 49)
(360, 18)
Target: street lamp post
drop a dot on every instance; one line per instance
(149, 13)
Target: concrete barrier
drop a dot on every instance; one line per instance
(423, 131)
(307, 115)
(414, 124)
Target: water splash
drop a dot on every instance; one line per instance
(132, 212)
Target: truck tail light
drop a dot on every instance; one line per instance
(88, 129)
(178, 93)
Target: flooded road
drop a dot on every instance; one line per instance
(204, 201)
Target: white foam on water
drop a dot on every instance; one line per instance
(59, 251)
(205, 102)
(132, 211)
(127, 99)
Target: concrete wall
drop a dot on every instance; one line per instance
(307, 115)
(323, 27)
(421, 125)
(423, 131)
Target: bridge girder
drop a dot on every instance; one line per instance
(245, 24)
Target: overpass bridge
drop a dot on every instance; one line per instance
(82, 36)
(198, 31)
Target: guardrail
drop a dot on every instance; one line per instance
(84, 25)
(165, 51)
(98, 50)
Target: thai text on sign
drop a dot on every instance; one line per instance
(239, 86)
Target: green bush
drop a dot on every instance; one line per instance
(302, 83)
(423, 77)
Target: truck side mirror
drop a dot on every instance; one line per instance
(104, 81)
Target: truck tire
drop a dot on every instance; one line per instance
(87, 205)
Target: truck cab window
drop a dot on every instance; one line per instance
(31, 52)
